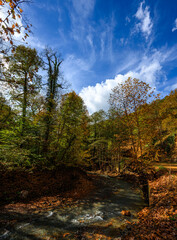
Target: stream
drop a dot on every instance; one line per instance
(97, 215)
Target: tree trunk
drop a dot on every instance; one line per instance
(25, 89)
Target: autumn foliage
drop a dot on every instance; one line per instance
(11, 23)
(159, 221)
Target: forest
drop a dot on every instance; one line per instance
(42, 124)
(50, 144)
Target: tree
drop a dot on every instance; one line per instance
(129, 97)
(98, 144)
(53, 62)
(22, 76)
(6, 113)
(72, 129)
(119, 137)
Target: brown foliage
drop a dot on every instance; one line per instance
(160, 220)
(42, 183)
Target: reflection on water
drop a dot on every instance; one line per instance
(101, 209)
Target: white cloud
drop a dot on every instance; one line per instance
(172, 87)
(150, 70)
(143, 15)
(83, 8)
(175, 26)
(96, 97)
(127, 19)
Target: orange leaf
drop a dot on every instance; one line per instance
(20, 10)
(11, 5)
(65, 234)
(1, 3)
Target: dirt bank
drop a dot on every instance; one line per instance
(24, 186)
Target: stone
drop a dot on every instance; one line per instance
(24, 194)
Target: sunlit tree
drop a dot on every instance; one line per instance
(129, 97)
(22, 77)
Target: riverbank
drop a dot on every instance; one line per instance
(159, 221)
(24, 186)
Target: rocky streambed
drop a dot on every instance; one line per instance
(97, 216)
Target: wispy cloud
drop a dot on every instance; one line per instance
(83, 8)
(92, 40)
(106, 35)
(91, 37)
(145, 22)
(80, 11)
(34, 42)
(127, 19)
(75, 68)
(171, 86)
(175, 26)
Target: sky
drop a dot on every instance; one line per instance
(103, 42)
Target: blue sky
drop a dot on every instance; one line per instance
(104, 42)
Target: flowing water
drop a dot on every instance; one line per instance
(99, 213)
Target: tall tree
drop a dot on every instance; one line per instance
(73, 128)
(129, 97)
(118, 137)
(53, 62)
(22, 76)
(98, 141)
